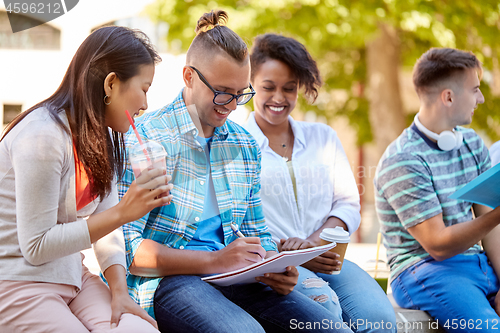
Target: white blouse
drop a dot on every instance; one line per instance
(324, 179)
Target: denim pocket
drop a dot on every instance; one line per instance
(400, 292)
(419, 270)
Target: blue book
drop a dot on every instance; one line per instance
(483, 190)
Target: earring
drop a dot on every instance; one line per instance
(107, 103)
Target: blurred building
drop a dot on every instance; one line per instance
(33, 61)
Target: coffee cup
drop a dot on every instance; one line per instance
(339, 236)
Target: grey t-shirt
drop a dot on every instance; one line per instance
(413, 181)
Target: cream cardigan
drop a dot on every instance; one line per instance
(41, 233)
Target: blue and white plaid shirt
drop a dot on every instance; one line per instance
(235, 159)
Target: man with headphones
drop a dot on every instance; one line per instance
(443, 253)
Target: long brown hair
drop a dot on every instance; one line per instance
(81, 93)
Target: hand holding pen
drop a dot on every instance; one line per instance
(282, 283)
(238, 234)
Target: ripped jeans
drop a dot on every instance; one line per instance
(317, 289)
(353, 296)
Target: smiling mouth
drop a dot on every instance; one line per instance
(222, 112)
(276, 108)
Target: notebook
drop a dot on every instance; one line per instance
(484, 189)
(275, 264)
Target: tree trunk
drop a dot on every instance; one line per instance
(386, 108)
(495, 87)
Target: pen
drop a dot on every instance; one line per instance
(236, 231)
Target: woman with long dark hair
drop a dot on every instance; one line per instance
(59, 162)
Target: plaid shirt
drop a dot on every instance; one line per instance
(235, 161)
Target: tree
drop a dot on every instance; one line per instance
(360, 44)
(362, 47)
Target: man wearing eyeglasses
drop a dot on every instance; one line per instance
(215, 168)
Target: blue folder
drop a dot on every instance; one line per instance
(484, 190)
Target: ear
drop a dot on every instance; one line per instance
(447, 97)
(187, 76)
(110, 83)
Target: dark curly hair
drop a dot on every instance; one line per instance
(292, 53)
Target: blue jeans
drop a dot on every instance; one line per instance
(317, 289)
(185, 303)
(355, 296)
(458, 292)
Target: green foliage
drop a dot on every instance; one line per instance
(336, 32)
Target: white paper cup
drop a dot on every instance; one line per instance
(339, 236)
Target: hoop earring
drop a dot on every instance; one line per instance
(107, 103)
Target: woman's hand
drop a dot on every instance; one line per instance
(282, 283)
(325, 263)
(149, 191)
(122, 303)
(295, 243)
(120, 300)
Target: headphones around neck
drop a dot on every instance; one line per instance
(446, 140)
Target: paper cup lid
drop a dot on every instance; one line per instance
(153, 149)
(337, 234)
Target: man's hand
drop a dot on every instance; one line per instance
(295, 243)
(122, 303)
(282, 283)
(240, 253)
(325, 263)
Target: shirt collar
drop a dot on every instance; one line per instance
(297, 132)
(429, 142)
(185, 122)
(263, 141)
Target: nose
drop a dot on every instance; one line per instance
(278, 96)
(480, 100)
(231, 105)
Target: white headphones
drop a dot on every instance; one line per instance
(447, 140)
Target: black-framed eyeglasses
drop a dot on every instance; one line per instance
(223, 98)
